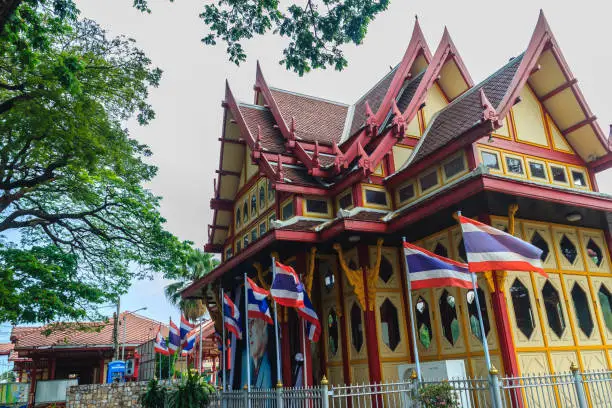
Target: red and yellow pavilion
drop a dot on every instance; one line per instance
(331, 189)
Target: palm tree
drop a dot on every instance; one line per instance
(198, 264)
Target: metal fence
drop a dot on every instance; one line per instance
(583, 390)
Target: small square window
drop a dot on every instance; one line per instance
(454, 166)
(514, 165)
(406, 193)
(287, 211)
(262, 228)
(429, 180)
(537, 170)
(228, 253)
(346, 201)
(558, 174)
(377, 197)
(579, 179)
(316, 206)
(490, 160)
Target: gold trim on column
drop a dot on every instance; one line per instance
(353, 276)
(310, 270)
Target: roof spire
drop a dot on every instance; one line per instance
(339, 160)
(364, 160)
(398, 123)
(488, 111)
(315, 155)
(371, 125)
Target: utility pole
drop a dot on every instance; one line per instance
(116, 329)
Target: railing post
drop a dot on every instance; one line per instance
(246, 395)
(324, 393)
(579, 385)
(414, 385)
(279, 394)
(495, 387)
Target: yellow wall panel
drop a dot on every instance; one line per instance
(435, 101)
(595, 241)
(401, 154)
(504, 130)
(566, 338)
(533, 363)
(401, 348)
(528, 119)
(390, 371)
(479, 366)
(389, 257)
(520, 339)
(252, 169)
(335, 375)
(594, 360)
(355, 354)
(412, 128)
(559, 142)
(576, 311)
(562, 360)
(360, 374)
(543, 230)
(565, 260)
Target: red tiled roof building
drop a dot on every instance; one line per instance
(332, 188)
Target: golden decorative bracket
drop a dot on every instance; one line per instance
(372, 275)
(310, 271)
(354, 276)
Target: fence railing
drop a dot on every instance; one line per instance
(575, 389)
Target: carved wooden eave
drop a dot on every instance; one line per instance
(531, 71)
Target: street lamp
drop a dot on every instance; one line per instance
(125, 330)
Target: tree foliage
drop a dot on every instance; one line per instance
(316, 30)
(196, 266)
(71, 178)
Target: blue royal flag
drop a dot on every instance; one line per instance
(428, 270)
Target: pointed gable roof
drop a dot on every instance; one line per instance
(545, 69)
(381, 96)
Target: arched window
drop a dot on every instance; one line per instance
(262, 196)
(441, 250)
(386, 269)
(448, 314)
(522, 308)
(605, 300)
(540, 242)
(473, 313)
(554, 309)
(423, 322)
(332, 329)
(245, 213)
(389, 324)
(356, 327)
(253, 206)
(568, 249)
(238, 219)
(594, 252)
(581, 308)
(271, 193)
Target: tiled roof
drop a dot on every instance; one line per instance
(6, 348)
(315, 119)
(368, 216)
(139, 330)
(302, 225)
(271, 138)
(465, 112)
(408, 91)
(374, 97)
(299, 175)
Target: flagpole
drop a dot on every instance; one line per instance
(279, 383)
(200, 358)
(415, 346)
(246, 329)
(304, 344)
(169, 355)
(483, 336)
(223, 331)
(160, 367)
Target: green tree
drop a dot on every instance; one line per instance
(197, 265)
(316, 30)
(71, 179)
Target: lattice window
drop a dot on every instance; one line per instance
(581, 308)
(473, 313)
(554, 309)
(356, 327)
(605, 300)
(332, 333)
(423, 321)
(568, 249)
(541, 243)
(389, 322)
(448, 315)
(441, 250)
(386, 269)
(594, 252)
(523, 311)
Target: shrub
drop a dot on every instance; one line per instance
(438, 395)
(192, 392)
(154, 396)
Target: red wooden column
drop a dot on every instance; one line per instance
(52, 368)
(102, 379)
(370, 320)
(346, 371)
(33, 380)
(285, 347)
(504, 329)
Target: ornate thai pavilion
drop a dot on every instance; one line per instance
(331, 189)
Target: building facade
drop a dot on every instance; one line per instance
(332, 189)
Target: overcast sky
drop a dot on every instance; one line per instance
(184, 135)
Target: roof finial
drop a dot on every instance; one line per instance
(371, 125)
(488, 111)
(399, 122)
(416, 17)
(315, 155)
(364, 160)
(339, 160)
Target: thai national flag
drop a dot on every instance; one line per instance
(186, 327)
(287, 290)
(313, 325)
(190, 340)
(428, 270)
(257, 306)
(175, 338)
(488, 248)
(161, 346)
(231, 316)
